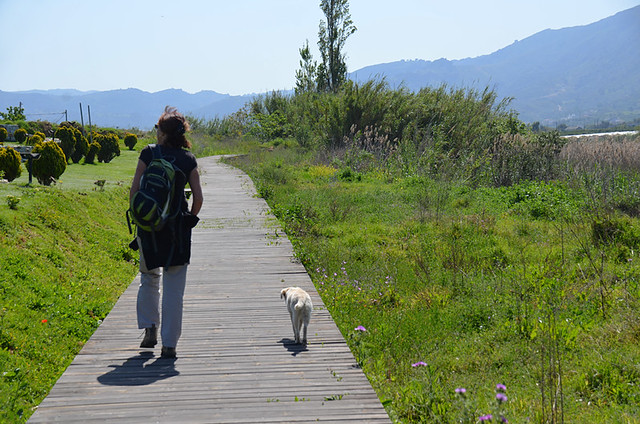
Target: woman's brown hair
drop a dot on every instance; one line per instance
(174, 125)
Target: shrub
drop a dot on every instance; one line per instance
(10, 163)
(51, 164)
(12, 202)
(34, 139)
(109, 147)
(3, 134)
(67, 140)
(20, 135)
(82, 146)
(271, 126)
(45, 127)
(540, 200)
(92, 151)
(607, 230)
(130, 140)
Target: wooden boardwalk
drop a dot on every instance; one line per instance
(236, 361)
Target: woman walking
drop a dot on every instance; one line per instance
(165, 254)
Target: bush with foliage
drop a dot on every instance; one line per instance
(82, 146)
(3, 134)
(10, 163)
(34, 139)
(44, 127)
(452, 132)
(51, 164)
(20, 135)
(92, 152)
(235, 125)
(109, 147)
(67, 140)
(73, 143)
(271, 126)
(130, 140)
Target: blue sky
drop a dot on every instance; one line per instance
(250, 46)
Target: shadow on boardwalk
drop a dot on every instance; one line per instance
(138, 371)
(293, 347)
(237, 362)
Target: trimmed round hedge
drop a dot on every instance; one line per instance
(51, 163)
(10, 163)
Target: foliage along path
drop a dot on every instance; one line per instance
(237, 362)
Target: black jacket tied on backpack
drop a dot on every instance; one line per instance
(170, 245)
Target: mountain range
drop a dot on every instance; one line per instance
(128, 108)
(579, 75)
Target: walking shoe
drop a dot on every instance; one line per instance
(168, 352)
(150, 337)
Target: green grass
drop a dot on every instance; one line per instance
(524, 286)
(64, 261)
(83, 176)
(518, 286)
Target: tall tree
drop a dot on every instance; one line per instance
(306, 75)
(14, 113)
(332, 35)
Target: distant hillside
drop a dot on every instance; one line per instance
(578, 75)
(120, 108)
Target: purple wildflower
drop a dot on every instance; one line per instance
(360, 328)
(461, 390)
(419, 364)
(501, 387)
(487, 417)
(501, 397)
(503, 419)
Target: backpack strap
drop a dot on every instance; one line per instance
(156, 151)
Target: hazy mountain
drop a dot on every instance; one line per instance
(119, 108)
(579, 75)
(583, 73)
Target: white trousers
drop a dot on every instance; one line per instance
(174, 279)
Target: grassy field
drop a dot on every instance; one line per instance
(457, 300)
(460, 301)
(64, 261)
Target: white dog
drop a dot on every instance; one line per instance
(299, 306)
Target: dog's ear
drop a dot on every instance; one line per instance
(283, 293)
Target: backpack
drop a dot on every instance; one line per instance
(154, 204)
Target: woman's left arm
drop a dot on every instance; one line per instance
(196, 191)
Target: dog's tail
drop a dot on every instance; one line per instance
(303, 305)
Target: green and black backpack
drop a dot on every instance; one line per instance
(155, 203)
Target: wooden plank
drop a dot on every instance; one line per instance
(236, 360)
